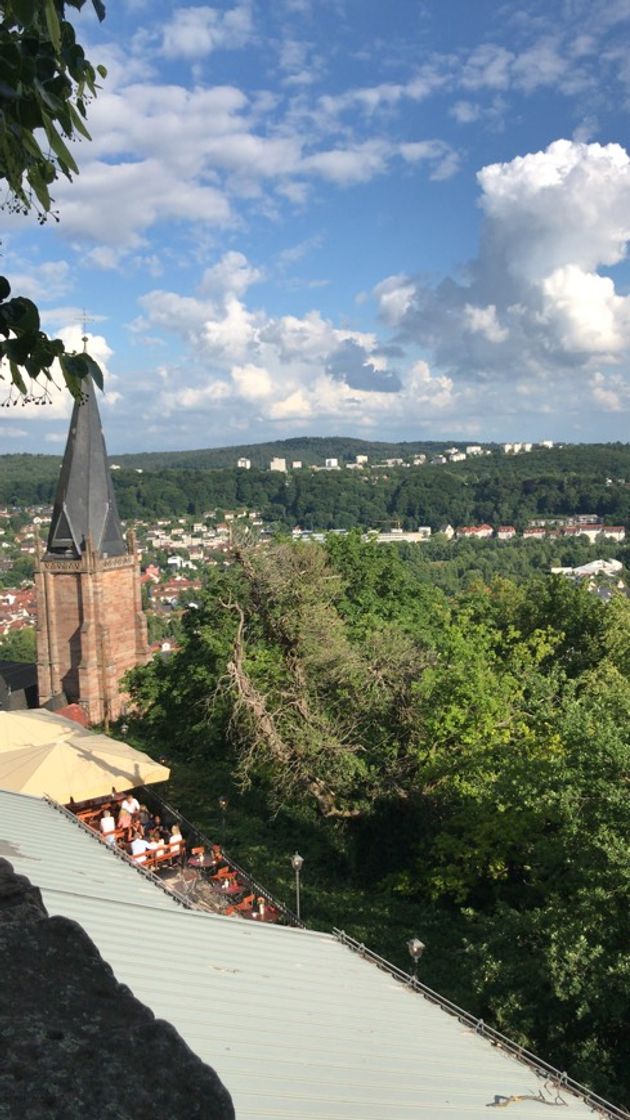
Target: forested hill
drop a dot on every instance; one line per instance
(309, 450)
(500, 489)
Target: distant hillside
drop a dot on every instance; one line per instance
(310, 450)
(500, 489)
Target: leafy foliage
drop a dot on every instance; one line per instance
(19, 645)
(465, 759)
(593, 478)
(46, 85)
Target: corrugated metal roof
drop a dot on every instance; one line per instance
(60, 858)
(294, 1024)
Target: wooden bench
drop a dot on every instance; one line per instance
(157, 856)
(245, 906)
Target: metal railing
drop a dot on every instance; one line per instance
(560, 1080)
(289, 917)
(120, 853)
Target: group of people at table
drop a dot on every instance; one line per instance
(138, 830)
(149, 841)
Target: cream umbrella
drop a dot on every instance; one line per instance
(43, 753)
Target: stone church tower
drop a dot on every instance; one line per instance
(90, 627)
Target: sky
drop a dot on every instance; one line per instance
(343, 217)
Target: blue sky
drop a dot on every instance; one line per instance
(344, 217)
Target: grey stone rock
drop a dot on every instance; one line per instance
(73, 1041)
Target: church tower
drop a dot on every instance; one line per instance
(90, 626)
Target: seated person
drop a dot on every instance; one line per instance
(176, 840)
(130, 804)
(144, 815)
(155, 840)
(138, 848)
(154, 824)
(107, 826)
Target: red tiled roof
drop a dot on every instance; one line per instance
(75, 712)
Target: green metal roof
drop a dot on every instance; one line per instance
(295, 1024)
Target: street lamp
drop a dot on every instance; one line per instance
(416, 949)
(297, 862)
(223, 806)
(124, 727)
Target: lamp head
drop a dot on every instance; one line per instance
(416, 948)
(223, 804)
(297, 861)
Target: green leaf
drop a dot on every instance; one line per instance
(25, 11)
(59, 148)
(78, 123)
(17, 378)
(50, 100)
(102, 70)
(17, 349)
(52, 23)
(81, 366)
(94, 370)
(40, 188)
(22, 315)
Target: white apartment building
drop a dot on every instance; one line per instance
(331, 464)
(244, 464)
(277, 464)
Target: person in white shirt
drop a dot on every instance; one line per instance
(139, 848)
(176, 840)
(130, 804)
(155, 841)
(108, 827)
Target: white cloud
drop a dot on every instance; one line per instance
(535, 309)
(487, 66)
(252, 382)
(231, 275)
(11, 431)
(347, 166)
(611, 394)
(48, 280)
(483, 320)
(444, 160)
(395, 297)
(585, 311)
(197, 31)
(255, 368)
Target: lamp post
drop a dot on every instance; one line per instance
(297, 862)
(124, 727)
(223, 806)
(416, 949)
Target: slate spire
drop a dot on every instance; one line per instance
(85, 505)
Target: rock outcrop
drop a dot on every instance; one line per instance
(74, 1042)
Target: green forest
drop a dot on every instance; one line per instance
(499, 489)
(452, 762)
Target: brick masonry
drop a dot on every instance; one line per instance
(91, 629)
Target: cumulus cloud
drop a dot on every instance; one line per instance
(197, 31)
(253, 368)
(534, 304)
(232, 274)
(163, 152)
